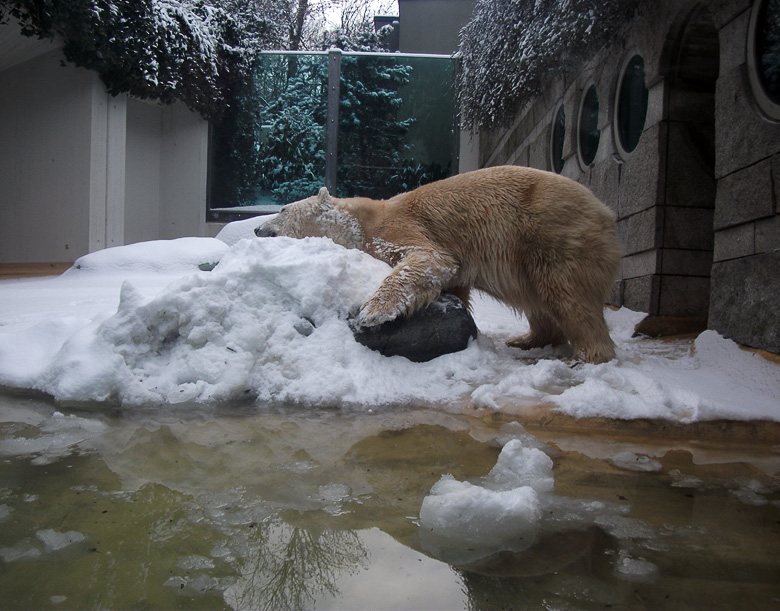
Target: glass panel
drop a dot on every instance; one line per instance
(396, 121)
(589, 134)
(632, 104)
(558, 138)
(768, 48)
(271, 150)
(396, 130)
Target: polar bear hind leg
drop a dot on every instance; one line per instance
(544, 332)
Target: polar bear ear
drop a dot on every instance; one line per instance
(324, 197)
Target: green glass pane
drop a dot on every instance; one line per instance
(632, 104)
(589, 133)
(396, 124)
(558, 139)
(270, 149)
(396, 129)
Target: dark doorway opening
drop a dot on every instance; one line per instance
(686, 224)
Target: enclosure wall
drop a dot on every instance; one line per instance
(45, 156)
(696, 200)
(81, 170)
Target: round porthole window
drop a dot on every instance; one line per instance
(631, 105)
(588, 134)
(558, 138)
(763, 55)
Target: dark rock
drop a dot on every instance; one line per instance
(444, 326)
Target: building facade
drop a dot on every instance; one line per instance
(432, 26)
(81, 170)
(675, 124)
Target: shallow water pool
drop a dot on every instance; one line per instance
(299, 509)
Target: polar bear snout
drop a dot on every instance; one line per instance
(264, 231)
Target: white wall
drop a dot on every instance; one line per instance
(81, 170)
(165, 179)
(45, 157)
(468, 152)
(142, 172)
(184, 170)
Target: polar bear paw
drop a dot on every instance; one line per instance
(377, 311)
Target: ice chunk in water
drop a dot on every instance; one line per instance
(635, 569)
(513, 507)
(23, 550)
(54, 541)
(459, 511)
(505, 512)
(521, 466)
(5, 511)
(334, 493)
(635, 462)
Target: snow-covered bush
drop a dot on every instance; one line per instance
(511, 48)
(166, 50)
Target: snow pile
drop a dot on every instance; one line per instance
(232, 233)
(143, 324)
(648, 379)
(179, 255)
(269, 322)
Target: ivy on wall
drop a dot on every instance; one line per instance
(511, 48)
(163, 50)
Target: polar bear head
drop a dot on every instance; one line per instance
(317, 216)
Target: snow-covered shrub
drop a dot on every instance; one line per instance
(166, 50)
(511, 48)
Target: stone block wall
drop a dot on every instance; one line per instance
(697, 200)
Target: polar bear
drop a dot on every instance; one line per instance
(537, 241)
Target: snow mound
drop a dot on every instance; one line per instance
(234, 232)
(268, 323)
(145, 323)
(181, 254)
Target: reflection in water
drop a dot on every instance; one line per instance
(521, 580)
(320, 509)
(290, 568)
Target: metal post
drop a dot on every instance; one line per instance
(456, 70)
(332, 119)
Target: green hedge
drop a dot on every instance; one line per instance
(163, 50)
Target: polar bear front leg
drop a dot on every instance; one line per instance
(414, 283)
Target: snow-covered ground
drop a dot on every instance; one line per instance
(143, 324)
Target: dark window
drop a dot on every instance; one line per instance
(589, 134)
(558, 137)
(632, 104)
(767, 48)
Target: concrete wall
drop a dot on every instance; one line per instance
(183, 172)
(81, 170)
(696, 202)
(165, 181)
(45, 158)
(432, 26)
(142, 177)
